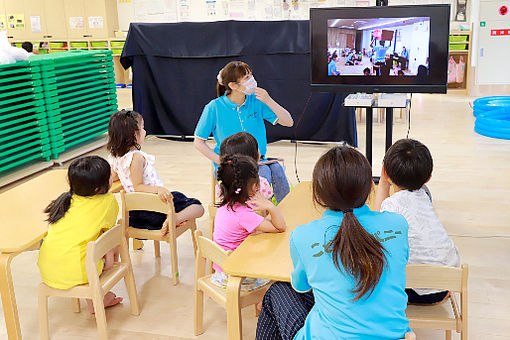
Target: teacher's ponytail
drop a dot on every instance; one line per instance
(342, 181)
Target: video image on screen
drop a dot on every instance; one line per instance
(380, 47)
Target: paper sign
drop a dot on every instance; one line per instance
(76, 23)
(16, 21)
(96, 22)
(35, 23)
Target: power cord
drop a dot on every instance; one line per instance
(295, 137)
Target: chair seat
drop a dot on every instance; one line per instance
(219, 294)
(154, 234)
(432, 316)
(107, 280)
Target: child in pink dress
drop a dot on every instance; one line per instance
(237, 216)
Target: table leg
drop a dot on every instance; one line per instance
(234, 321)
(8, 297)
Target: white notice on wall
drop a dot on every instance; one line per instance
(35, 23)
(96, 22)
(76, 23)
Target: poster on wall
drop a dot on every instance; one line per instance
(184, 10)
(76, 23)
(35, 23)
(16, 21)
(460, 14)
(96, 22)
(237, 9)
(211, 7)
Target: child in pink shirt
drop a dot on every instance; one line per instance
(237, 216)
(244, 143)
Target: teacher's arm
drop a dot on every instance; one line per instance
(205, 150)
(203, 130)
(284, 117)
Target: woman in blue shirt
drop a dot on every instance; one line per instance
(348, 280)
(242, 106)
(332, 71)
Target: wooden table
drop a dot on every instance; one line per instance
(267, 256)
(23, 225)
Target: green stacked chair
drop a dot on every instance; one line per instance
(79, 95)
(24, 124)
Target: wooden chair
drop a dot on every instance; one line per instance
(98, 286)
(207, 249)
(151, 202)
(440, 316)
(212, 210)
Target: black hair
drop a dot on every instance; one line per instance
(408, 164)
(241, 143)
(334, 56)
(87, 176)
(342, 181)
(366, 70)
(27, 46)
(236, 175)
(122, 130)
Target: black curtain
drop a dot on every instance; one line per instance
(175, 66)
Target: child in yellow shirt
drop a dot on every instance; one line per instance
(77, 217)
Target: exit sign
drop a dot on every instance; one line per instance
(500, 32)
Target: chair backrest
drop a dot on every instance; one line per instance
(436, 277)
(144, 201)
(96, 249)
(210, 250)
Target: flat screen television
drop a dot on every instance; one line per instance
(387, 49)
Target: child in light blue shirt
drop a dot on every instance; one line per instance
(348, 280)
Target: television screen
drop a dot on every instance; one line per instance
(380, 49)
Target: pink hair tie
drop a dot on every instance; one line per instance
(220, 81)
(238, 190)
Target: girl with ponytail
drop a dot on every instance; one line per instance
(77, 217)
(348, 280)
(237, 216)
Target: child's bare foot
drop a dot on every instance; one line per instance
(110, 299)
(164, 228)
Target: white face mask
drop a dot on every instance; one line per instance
(250, 86)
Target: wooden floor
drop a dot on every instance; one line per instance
(471, 192)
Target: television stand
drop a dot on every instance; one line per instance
(388, 101)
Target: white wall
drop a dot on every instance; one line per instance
(216, 10)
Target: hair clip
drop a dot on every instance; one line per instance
(229, 162)
(238, 190)
(218, 77)
(220, 181)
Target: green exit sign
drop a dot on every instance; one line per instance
(482, 23)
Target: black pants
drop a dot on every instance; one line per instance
(151, 220)
(284, 312)
(427, 299)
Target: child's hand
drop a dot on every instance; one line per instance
(259, 203)
(165, 195)
(262, 95)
